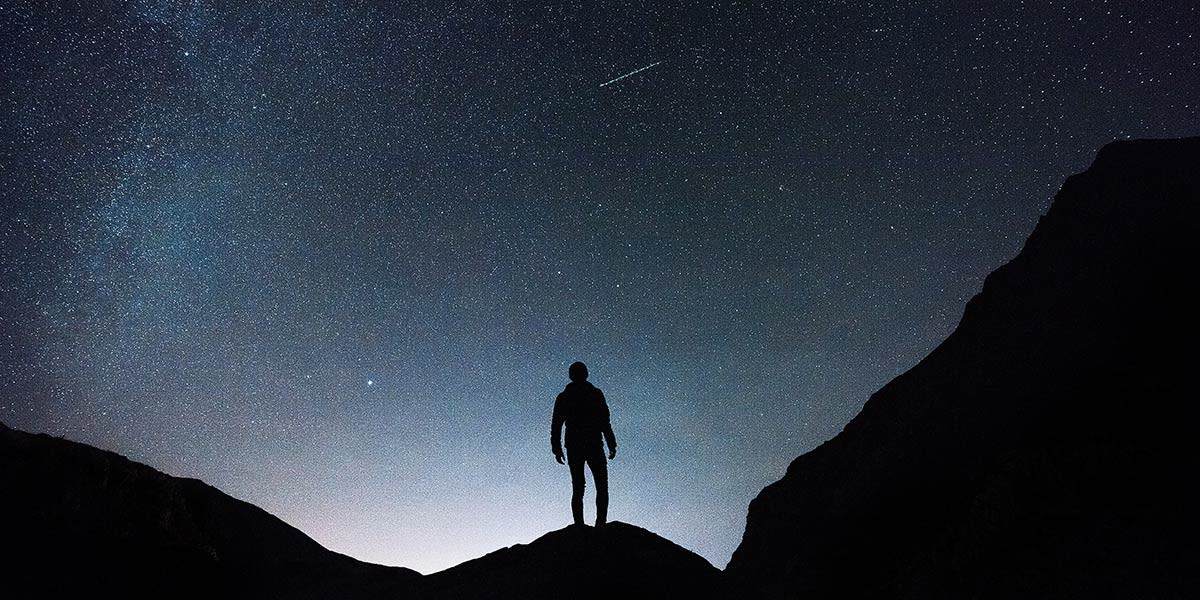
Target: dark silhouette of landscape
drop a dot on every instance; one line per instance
(1044, 449)
(80, 521)
(615, 561)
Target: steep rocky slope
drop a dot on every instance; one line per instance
(1046, 448)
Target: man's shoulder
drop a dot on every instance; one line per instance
(586, 388)
(580, 391)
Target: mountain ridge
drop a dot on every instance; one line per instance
(1040, 391)
(134, 530)
(112, 521)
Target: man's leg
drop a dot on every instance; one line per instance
(599, 466)
(575, 464)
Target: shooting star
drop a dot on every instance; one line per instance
(630, 73)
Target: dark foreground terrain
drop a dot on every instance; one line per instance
(83, 522)
(616, 561)
(78, 521)
(1046, 449)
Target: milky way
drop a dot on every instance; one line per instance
(335, 261)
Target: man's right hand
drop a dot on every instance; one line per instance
(559, 457)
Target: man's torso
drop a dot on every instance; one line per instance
(584, 416)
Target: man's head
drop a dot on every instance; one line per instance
(577, 371)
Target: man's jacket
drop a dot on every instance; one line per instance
(582, 408)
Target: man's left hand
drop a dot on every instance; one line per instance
(612, 453)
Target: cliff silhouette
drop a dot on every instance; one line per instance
(1046, 448)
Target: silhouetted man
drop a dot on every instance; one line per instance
(581, 407)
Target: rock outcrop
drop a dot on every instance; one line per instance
(1047, 447)
(614, 561)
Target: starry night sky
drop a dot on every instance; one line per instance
(335, 261)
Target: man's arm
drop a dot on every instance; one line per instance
(609, 437)
(556, 423)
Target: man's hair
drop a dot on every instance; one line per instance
(577, 371)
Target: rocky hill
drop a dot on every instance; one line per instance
(615, 561)
(79, 521)
(1047, 447)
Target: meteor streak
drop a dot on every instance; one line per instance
(630, 73)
